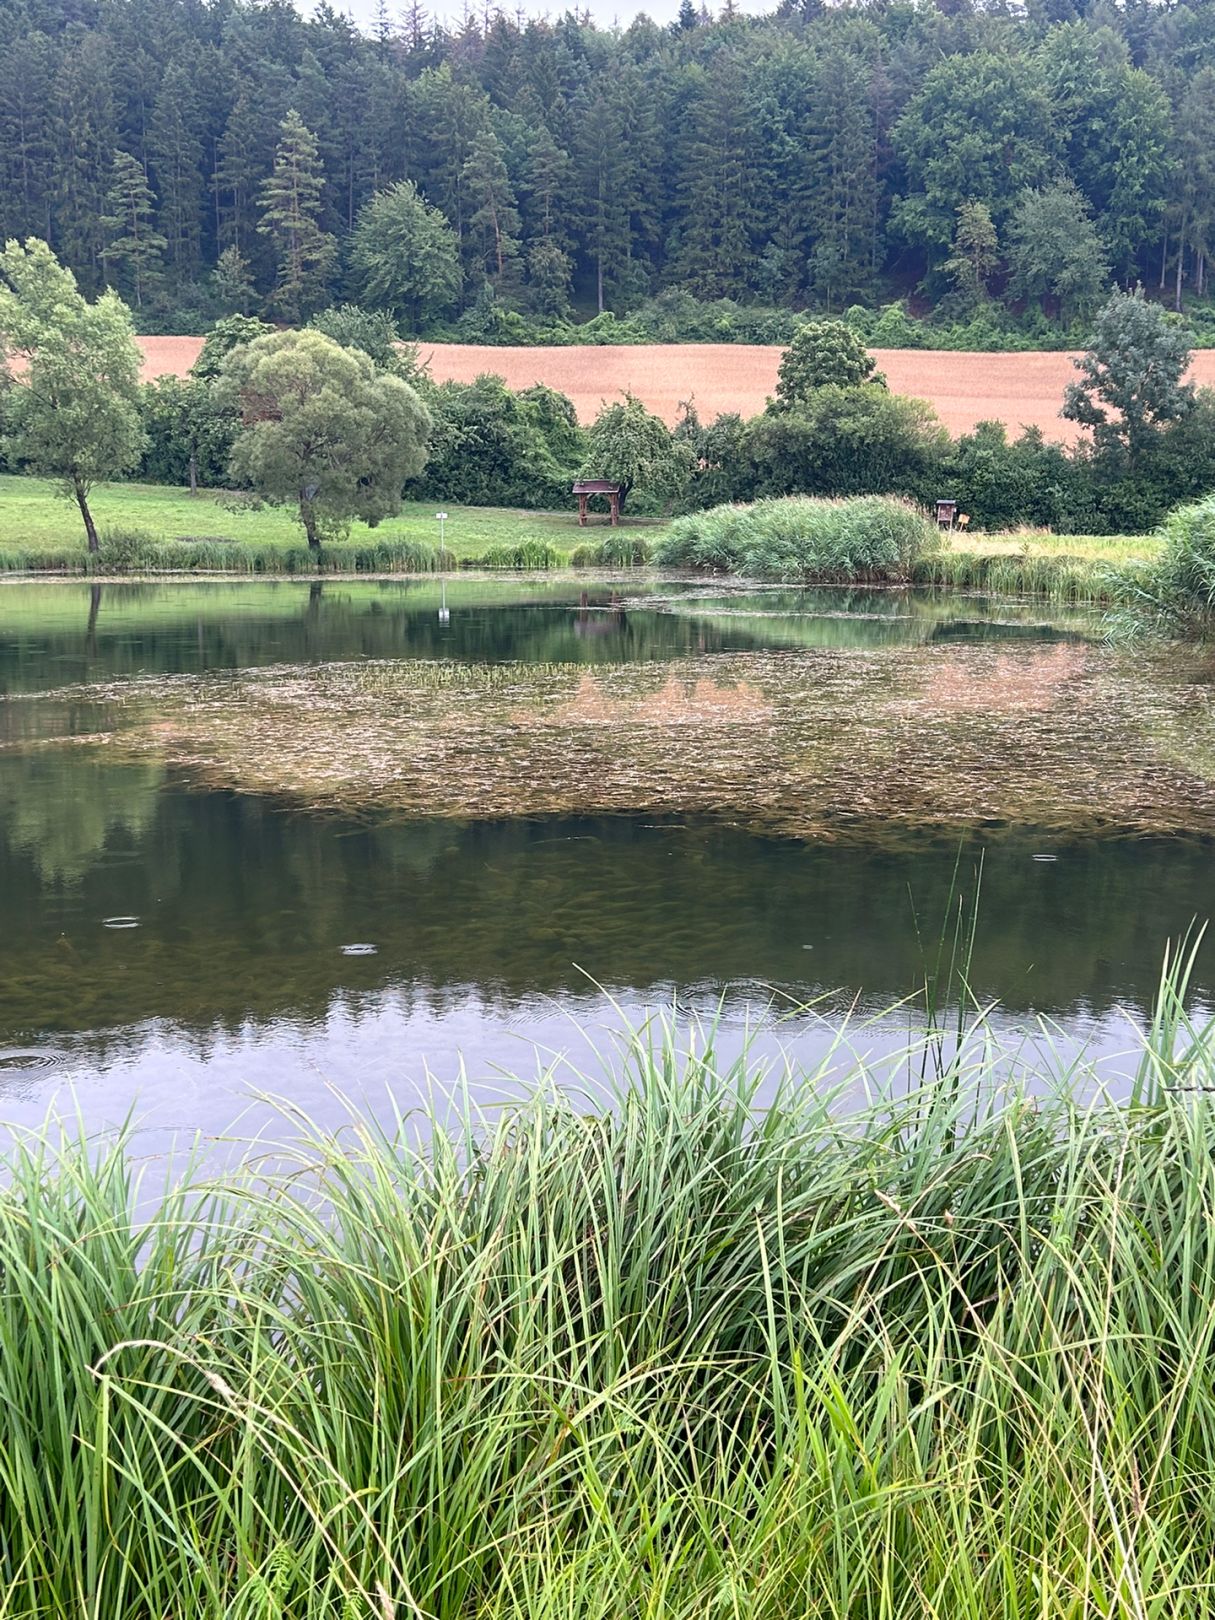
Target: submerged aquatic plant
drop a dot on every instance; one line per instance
(698, 1340)
(813, 744)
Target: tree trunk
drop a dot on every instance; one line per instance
(82, 501)
(1180, 270)
(1164, 258)
(90, 634)
(193, 473)
(599, 266)
(308, 519)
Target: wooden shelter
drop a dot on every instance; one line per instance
(586, 487)
(946, 512)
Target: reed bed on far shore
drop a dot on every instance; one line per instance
(712, 1344)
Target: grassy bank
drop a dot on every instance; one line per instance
(155, 528)
(214, 530)
(676, 1357)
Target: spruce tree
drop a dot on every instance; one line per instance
(134, 251)
(175, 158)
(232, 282)
(291, 207)
(84, 140)
(839, 193)
(718, 189)
(976, 252)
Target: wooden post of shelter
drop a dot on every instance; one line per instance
(586, 487)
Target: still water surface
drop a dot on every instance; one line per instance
(173, 939)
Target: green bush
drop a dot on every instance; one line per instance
(872, 538)
(124, 551)
(492, 446)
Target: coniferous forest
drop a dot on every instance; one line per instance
(211, 156)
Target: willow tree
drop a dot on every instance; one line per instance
(72, 406)
(322, 430)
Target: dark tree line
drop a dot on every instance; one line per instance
(205, 156)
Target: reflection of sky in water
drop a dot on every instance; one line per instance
(168, 952)
(390, 1052)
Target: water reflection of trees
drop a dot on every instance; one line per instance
(55, 635)
(244, 910)
(61, 808)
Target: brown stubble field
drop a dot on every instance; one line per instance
(1020, 390)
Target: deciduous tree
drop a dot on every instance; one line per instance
(322, 430)
(72, 406)
(1055, 253)
(632, 447)
(1131, 376)
(822, 354)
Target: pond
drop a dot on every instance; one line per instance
(342, 839)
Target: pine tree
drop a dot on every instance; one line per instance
(291, 206)
(25, 137)
(451, 114)
(601, 166)
(244, 157)
(839, 192)
(84, 140)
(494, 223)
(133, 255)
(549, 182)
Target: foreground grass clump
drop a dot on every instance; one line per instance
(871, 538)
(682, 1355)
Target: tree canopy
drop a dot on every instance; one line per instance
(71, 409)
(241, 157)
(632, 447)
(322, 430)
(823, 354)
(403, 256)
(1131, 375)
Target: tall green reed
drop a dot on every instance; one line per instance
(711, 1342)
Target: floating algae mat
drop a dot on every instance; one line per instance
(813, 744)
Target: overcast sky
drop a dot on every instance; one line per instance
(605, 12)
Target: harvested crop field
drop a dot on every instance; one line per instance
(1021, 390)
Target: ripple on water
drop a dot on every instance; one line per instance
(120, 922)
(360, 950)
(26, 1062)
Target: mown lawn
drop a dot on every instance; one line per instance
(34, 517)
